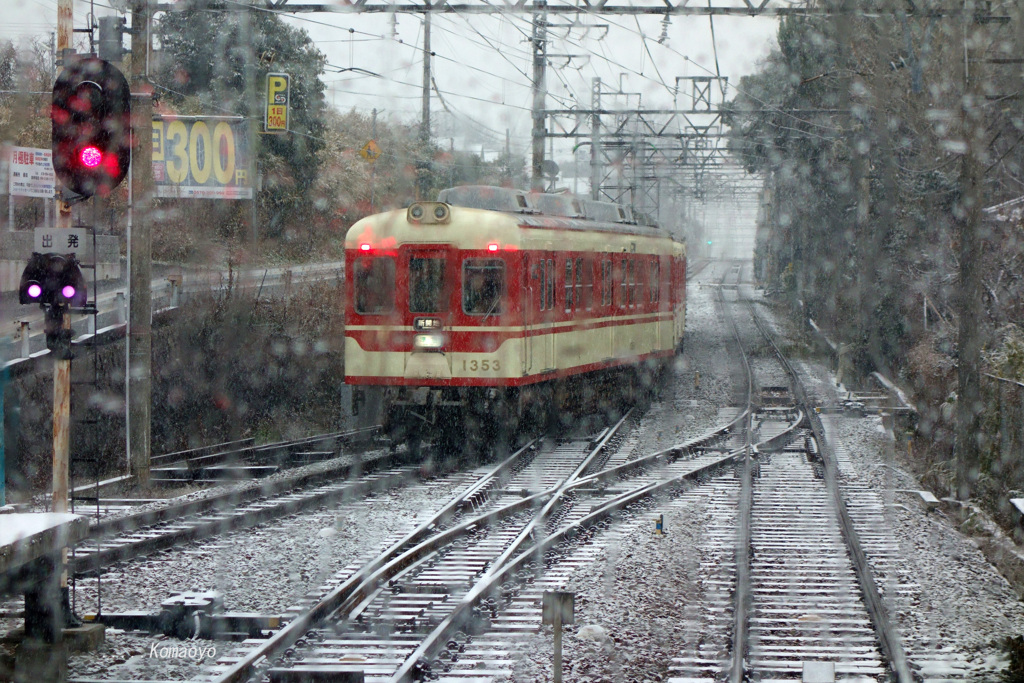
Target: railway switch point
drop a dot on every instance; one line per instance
(819, 672)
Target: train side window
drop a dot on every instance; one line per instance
(549, 294)
(629, 282)
(624, 277)
(374, 285)
(581, 272)
(483, 283)
(655, 281)
(427, 291)
(605, 283)
(568, 284)
(638, 273)
(538, 274)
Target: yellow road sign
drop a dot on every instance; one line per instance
(370, 151)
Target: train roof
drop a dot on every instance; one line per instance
(476, 216)
(585, 214)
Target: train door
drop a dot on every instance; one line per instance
(429, 278)
(540, 311)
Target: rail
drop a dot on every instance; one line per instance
(888, 637)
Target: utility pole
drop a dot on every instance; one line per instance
(423, 165)
(138, 371)
(968, 214)
(373, 164)
(595, 139)
(539, 41)
(254, 105)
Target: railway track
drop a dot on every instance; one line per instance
(121, 538)
(420, 608)
(806, 604)
(471, 582)
(787, 581)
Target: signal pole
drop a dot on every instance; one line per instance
(62, 366)
(138, 371)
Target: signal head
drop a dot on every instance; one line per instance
(91, 120)
(53, 280)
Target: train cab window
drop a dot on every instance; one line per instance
(483, 282)
(374, 285)
(427, 291)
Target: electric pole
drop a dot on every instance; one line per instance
(968, 217)
(373, 164)
(138, 371)
(423, 165)
(595, 139)
(539, 41)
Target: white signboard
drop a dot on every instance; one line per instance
(31, 172)
(62, 241)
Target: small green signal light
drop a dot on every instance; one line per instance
(709, 243)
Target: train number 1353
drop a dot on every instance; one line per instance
(478, 365)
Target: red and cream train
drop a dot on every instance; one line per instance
(494, 309)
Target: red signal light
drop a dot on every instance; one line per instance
(493, 246)
(90, 156)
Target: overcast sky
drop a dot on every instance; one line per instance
(482, 66)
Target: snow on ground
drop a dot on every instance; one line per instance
(960, 601)
(636, 602)
(266, 569)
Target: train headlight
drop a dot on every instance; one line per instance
(428, 342)
(429, 213)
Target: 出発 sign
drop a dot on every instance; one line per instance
(278, 102)
(201, 157)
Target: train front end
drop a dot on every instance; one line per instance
(430, 328)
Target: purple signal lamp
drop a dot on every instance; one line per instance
(35, 291)
(68, 291)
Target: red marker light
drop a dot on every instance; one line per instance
(492, 247)
(90, 157)
(364, 247)
(68, 292)
(35, 291)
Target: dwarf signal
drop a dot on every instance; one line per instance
(53, 280)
